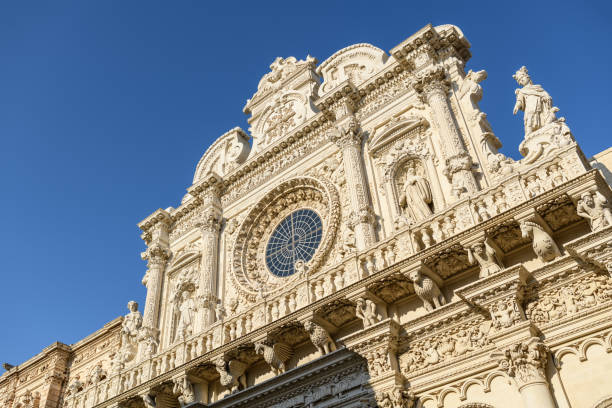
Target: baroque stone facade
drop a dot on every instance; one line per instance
(364, 245)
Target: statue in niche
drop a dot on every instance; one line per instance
(534, 101)
(596, 209)
(186, 314)
(416, 198)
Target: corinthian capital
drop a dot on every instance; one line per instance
(347, 134)
(156, 254)
(524, 361)
(211, 220)
(431, 80)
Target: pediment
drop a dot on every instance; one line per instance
(393, 130)
(355, 63)
(226, 153)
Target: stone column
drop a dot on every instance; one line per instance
(378, 345)
(209, 192)
(526, 363)
(348, 138)
(155, 234)
(433, 87)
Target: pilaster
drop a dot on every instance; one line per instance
(155, 233)
(348, 136)
(433, 86)
(209, 192)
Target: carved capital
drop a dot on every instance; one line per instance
(156, 255)
(211, 220)
(431, 81)
(397, 397)
(347, 135)
(524, 361)
(378, 345)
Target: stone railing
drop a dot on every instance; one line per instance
(556, 177)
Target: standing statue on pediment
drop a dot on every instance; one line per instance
(416, 195)
(534, 101)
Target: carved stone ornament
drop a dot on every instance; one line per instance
(356, 63)
(596, 209)
(248, 269)
(544, 245)
(398, 397)
(130, 329)
(276, 356)
(229, 151)
(320, 338)
(232, 374)
(524, 361)
(426, 288)
(544, 133)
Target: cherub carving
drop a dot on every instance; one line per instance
(504, 315)
(320, 338)
(232, 374)
(276, 356)
(365, 309)
(427, 290)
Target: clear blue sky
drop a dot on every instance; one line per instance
(106, 107)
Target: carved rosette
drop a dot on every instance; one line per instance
(249, 272)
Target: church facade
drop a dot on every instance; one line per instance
(364, 244)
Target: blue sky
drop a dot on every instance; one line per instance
(106, 107)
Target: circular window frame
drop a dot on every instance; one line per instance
(249, 272)
(276, 228)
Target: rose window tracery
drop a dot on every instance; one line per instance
(294, 240)
(291, 229)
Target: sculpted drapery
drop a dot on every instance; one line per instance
(416, 196)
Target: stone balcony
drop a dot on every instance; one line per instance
(381, 274)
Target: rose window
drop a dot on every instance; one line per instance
(290, 229)
(296, 238)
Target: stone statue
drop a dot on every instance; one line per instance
(534, 101)
(186, 311)
(276, 356)
(365, 309)
(132, 322)
(596, 209)
(486, 257)
(427, 290)
(544, 245)
(416, 196)
(320, 338)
